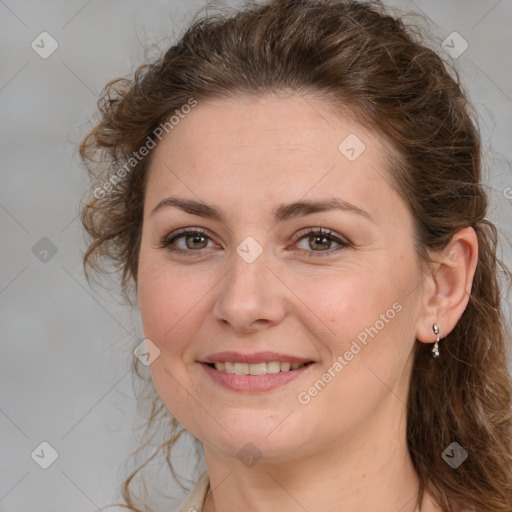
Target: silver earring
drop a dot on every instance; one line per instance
(435, 348)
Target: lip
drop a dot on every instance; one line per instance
(254, 383)
(257, 357)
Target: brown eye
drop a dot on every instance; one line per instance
(193, 241)
(320, 241)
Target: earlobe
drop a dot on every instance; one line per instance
(452, 280)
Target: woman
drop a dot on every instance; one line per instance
(294, 191)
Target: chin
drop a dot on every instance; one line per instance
(273, 440)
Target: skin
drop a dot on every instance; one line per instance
(347, 445)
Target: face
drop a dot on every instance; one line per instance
(337, 286)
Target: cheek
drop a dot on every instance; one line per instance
(368, 342)
(344, 303)
(367, 319)
(168, 301)
(169, 304)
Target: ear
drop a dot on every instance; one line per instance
(449, 285)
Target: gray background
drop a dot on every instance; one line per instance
(66, 348)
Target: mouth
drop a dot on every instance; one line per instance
(262, 368)
(255, 377)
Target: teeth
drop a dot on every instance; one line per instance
(273, 367)
(285, 367)
(256, 368)
(241, 369)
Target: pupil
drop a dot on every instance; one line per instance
(195, 239)
(324, 240)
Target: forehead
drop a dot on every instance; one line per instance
(253, 149)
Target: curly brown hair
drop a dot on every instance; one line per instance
(358, 56)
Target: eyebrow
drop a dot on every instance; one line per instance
(281, 213)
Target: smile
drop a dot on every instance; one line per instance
(257, 368)
(254, 377)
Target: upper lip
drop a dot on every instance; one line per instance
(257, 357)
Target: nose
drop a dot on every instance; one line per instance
(250, 297)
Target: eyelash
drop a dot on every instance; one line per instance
(318, 232)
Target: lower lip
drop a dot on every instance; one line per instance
(265, 382)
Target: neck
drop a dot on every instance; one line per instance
(367, 471)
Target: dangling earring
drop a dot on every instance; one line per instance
(435, 348)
